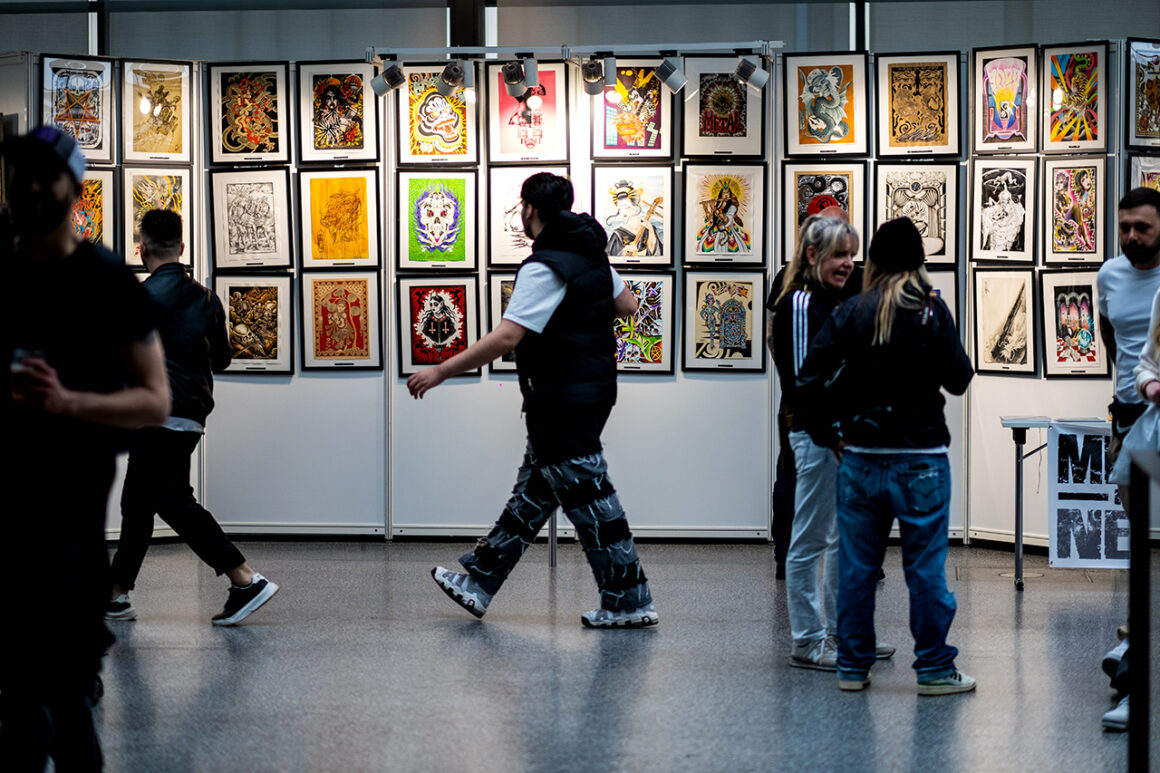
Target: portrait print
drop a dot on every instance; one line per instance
(1074, 218)
(437, 320)
(251, 218)
(724, 213)
(807, 189)
(340, 312)
(259, 320)
(92, 213)
(643, 339)
(723, 116)
(630, 203)
(153, 188)
(1073, 345)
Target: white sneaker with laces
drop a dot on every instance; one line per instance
(948, 685)
(1111, 661)
(1116, 719)
(820, 655)
(463, 590)
(621, 618)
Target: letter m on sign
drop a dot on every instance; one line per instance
(1080, 464)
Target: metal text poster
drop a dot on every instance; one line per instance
(1087, 526)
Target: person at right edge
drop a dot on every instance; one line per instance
(870, 389)
(1128, 285)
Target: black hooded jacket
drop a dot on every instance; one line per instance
(573, 361)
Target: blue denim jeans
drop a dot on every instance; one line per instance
(873, 490)
(813, 541)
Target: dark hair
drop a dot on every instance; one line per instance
(1138, 197)
(549, 194)
(161, 231)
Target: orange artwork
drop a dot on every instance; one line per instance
(339, 224)
(825, 104)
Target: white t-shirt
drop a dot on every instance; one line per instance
(538, 291)
(1126, 294)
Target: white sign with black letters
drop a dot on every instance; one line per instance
(1086, 523)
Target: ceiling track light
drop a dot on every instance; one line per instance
(531, 72)
(450, 79)
(749, 72)
(513, 79)
(610, 71)
(593, 74)
(669, 72)
(388, 80)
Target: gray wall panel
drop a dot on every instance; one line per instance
(57, 33)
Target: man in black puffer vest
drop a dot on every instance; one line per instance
(192, 324)
(560, 323)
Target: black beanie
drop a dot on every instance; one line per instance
(897, 246)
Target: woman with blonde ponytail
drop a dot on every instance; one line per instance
(871, 390)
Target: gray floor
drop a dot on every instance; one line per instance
(361, 663)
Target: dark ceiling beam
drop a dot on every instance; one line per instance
(466, 22)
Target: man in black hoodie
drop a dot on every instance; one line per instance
(192, 324)
(560, 323)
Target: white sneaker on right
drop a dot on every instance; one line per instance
(948, 685)
(1111, 661)
(1116, 719)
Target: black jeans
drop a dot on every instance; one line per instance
(157, 482)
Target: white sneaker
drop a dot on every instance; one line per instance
(948, 685)
(1111, 661)
(820, 655)
(881, 651)
(463, 590)
(1117, 719)
(621, 618)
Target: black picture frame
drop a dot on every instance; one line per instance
(1000, 334)
(247, 318)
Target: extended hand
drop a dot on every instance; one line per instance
(39, 384)
(425, 380)
(1152, 391)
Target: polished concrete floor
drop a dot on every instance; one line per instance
(361, 663)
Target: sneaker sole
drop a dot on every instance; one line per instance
(795, 663)
(884, 654)
(1110, 666)
(847, 685)
(644, 621)
(1118, 727)
(250, 608)
(455, 595)
(944, 689)
(128, 614)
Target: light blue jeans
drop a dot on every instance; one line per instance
(814, 539)
(873, 490)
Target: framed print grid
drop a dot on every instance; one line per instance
(260, 309)
(632, 203)
(250, 117)
(724, 218)
(1004, 112)
(1072, 345)
(724, 321)
(1003, 209)
(339, 218)
(340, 321)
(928, 195)
(644, 340)
(93, 212)
(156, 99)
(519, 131)
(722, 115)
(508, 245)
(1143, 97)
(146, 188)
(77, 98)
(251, 219)
(1075, 93)
(338, 115)
(1144, 171)
(807, 189)
(499, 286)
(826, 104)
(434, 129)
(1073, 211)
(918, 104)
(437, 220)
(634, 119)
(438, 319)
(1004, 322)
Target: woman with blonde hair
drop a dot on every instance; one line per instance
(872, 387)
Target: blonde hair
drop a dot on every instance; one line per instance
(828, 236)
(896, 290)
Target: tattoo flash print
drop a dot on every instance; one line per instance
(439, 323)
(76, 103)
(251, 227)
(155, 191)
(725, 207)
(340, 319)
(249, 113)
(640, 339)
(633, 117)
(919, 194)
(1004, 83)
(339, 221)
(1073, 213)
(1073, 96)
(435, 228)
(825, 104)
(1144, 93)
(1003, 324)
(1075, 339)
(156, 109)
(88, 214)
(918, 104)
(723, 327)
(722, 106)
(337, 111)
(254, 316)
(438, 124)
(1003, 218)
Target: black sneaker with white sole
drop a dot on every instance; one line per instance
(120, 609)
(243, 602)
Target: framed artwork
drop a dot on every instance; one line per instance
(1073, 211)
(634, 118)
(807, 189)
(508, 245)
(724, 213)
(1144, 172)
(632, 202)
(251, 219)
(1004, 323)
(928, 195)
(943, 282)
(532, 127)
(156, 97)
(1072, 346)
(1003, 209)
(437, 220)
(1075, 93)
(340, 218)
(644, 340)
(1143, 98)
(437, 320)
(825, 104)
(724, 321)
(147, 188)
(918, 104)
(1003, 97)
(260, 309)
(92, 212)
(77, 98)
(434, 129)
(338, 114)
(340, 321)
(500, 285)
(250, 119)
(723, 116)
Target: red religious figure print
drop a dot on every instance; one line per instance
(249, 112)
(340, 319)
(438, 322)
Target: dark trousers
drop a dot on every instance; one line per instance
(784, 485)
(157, 482)
(564, 467)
